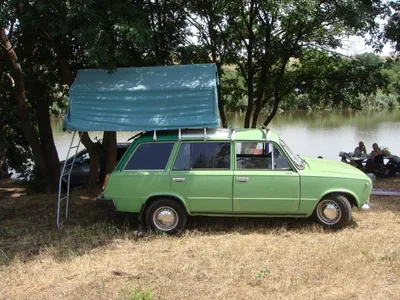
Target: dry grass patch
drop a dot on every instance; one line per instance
(98, 256)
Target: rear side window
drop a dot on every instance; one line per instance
(203, 156)
(152, 156)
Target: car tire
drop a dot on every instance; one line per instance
(166, 216)
(333, 211)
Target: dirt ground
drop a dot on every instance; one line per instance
(98, 254)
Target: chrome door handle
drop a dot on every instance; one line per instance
(178, 179)
(242, 179)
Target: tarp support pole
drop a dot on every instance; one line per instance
(205, 133)
(155, 135)
(179, 135)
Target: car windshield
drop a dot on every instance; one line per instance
(297, 160)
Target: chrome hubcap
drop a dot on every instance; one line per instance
(329, 212)
(165, 218)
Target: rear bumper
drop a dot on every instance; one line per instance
(105, 202)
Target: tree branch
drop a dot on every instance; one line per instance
(241, 67)
(11, 80)
(11, 31)
(241, 35)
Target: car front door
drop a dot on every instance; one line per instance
(203, 176)
(264, 181)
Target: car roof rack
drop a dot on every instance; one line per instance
(204, 133)
(262, 126)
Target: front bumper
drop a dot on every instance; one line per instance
(105, 202)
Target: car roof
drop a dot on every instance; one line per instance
(239, 134)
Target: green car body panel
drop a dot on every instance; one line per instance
(294, 191)
(266, 191)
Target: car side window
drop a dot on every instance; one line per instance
(150, 156)
(86, 159)
(81, 160)
(260, 156)
(280, 160)
(207, 155)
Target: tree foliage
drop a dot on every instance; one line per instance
(323, 81)
(392, 28)
(267, 52)
(46, 42)
(261, 38)
(334, 81)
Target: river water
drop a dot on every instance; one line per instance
(308, 134)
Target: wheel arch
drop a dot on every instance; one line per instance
(347, 194)
(154, 198)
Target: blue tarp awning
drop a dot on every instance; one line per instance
(148, 98)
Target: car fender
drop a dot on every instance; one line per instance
(341, 191)
(170, 195)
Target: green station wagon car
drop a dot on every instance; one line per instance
(167, 176)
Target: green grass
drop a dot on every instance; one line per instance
(135, 294)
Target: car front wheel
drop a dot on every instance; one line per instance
(166, 216)
(333, 211)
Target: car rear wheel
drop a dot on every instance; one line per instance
(166, 216)
(333, 211)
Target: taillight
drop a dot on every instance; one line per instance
(105, 181)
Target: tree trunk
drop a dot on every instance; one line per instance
(41, 108)
(3, 163)
(93, 170)
(250, 95)
(221, 108)
(96, 152)
(260, 90)
(274, 110)
(22, 109)
(277, 87)
(65, 70)
(110, 153)
(221, 105)
(260, 102)
(47, 142)
(250, 67)
(3, 166)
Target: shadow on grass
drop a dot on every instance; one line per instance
(28, 226)
(247, 225)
